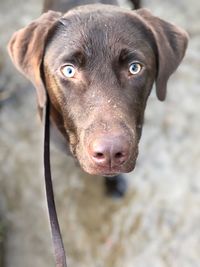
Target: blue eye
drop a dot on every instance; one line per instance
(68, 71)
(135, 68)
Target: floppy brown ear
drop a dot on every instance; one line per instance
(26, 49)
(171, 42)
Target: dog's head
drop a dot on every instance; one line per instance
(98, 64)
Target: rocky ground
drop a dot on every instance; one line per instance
(157, 223)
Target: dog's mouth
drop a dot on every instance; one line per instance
(108, 172)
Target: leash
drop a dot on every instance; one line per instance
(59, 251)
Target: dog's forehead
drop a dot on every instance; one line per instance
(96, 29)
(103, 18)
(97, 11)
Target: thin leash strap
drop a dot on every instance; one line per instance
(59, 251)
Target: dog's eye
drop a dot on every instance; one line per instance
(135, 68)
(68, 71)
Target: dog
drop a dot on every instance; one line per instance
(98, 62)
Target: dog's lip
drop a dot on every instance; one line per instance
(110, 174)
(105, 172)
(109, 171)
(101, 170)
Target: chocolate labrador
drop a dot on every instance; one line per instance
(98, 63)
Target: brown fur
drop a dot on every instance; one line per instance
(103, 99)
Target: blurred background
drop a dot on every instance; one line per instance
(157, 224)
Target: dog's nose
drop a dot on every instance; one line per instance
(109, 151)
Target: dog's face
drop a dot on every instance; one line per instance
(98, 65)
(99, 76)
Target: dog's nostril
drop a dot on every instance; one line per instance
(118, 155)
(99, 155)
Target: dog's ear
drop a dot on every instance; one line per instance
(171, 42)
(26, 49)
